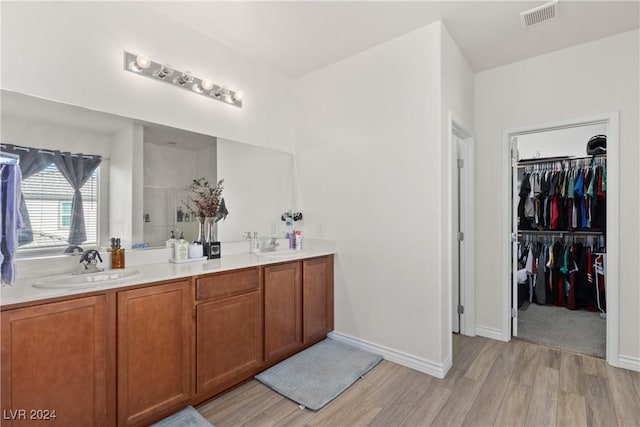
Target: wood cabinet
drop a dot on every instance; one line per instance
(134, 356)
(155, 338)
(282, 310)
(56, 363)
(317, 298)
(229, 330)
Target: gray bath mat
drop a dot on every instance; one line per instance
(188, 417)
(317, 375)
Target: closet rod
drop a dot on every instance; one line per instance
(562, 232)
(526, 162)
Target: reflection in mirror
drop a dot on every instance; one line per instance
(173, 158)
(139, 191)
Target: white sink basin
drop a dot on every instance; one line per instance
(280, 254)
(71, 281)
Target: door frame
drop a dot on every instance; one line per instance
(613, 213)
(457, 129)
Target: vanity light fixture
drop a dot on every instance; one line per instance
(141, 64)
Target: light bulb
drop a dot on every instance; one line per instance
(164, 71)
(143, 61)
(186, 77)
(237, 95)
(206, 84)
(221, 92)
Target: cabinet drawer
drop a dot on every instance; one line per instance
(221, 285)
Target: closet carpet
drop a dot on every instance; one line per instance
(578, 331)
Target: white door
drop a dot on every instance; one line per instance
(463, 232)
(514, 235)
(458, 146)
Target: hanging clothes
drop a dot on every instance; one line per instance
(562, 273)
(563, 197)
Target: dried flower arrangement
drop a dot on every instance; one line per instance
(205, 198)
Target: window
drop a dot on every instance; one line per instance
(65, 216)
(48, 197)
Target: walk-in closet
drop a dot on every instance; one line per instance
(560, 199)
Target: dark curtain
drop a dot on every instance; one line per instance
(77, 169)
(32, 161)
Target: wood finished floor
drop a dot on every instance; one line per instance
(492, 383)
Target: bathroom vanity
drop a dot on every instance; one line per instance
(134, 352)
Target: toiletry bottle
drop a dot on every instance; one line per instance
(181, 250)
(117, 255)
(299, 239)
(171, 243)
(290, 233)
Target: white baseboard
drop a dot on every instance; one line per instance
(629, 362)
(487, 332)
(438, 370)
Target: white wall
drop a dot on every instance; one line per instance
(558, 142)
(258, 187)
(368, 164)
(73, 52)
(53, 136)
(126, 186)
(596, 77)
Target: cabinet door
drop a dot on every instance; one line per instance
(317, 298)
(282, 310)
(54, 358)
(155, 328)
(229, 342)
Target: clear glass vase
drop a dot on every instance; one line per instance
(211, 229)
(201, 230)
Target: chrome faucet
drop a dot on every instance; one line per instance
(73, 250)
(271, 247)
(89, 261)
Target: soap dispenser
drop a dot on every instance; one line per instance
(171, 243)
(181, 250)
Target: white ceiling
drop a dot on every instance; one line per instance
(303, 36)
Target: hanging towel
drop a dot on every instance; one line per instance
(10, 187)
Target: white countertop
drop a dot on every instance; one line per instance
(22, 291)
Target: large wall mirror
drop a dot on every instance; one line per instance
(138, 192)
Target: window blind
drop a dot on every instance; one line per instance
(48, 197)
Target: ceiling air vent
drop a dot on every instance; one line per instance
(539, 14)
